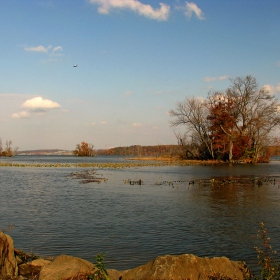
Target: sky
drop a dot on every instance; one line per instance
(135, 60)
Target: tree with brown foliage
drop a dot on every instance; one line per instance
(222, 117)
(84, 149)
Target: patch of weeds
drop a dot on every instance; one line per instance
(87, 176)
(131, 182)
(101, 273)
(26, 257)
(7, 228)
(269, 267)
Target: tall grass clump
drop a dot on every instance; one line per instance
(266, 256)
(101, 273)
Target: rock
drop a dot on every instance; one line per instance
(175, 267)
(39, 262)
(8, 263)
(187, 266)
(114, 274)
(32, 268)
(64, 267)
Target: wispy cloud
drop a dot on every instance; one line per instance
(128, 93)
(210, 79)
(273, 89)
(42, 49)
(57, 48)
(38, 49)
(137, 124)
(21, 115)
(142, 9)
(191, 8)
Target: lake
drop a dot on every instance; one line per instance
(55, 213)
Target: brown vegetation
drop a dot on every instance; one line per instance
(84, 149)
(7, 151)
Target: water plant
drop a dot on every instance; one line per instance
(101, 273)
(269, 267)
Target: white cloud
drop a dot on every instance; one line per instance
(38, 103)
(128, 92)
(42, 49)
(103, 122)
(210, 79)
(56, 51)
(37, 49)
(273, 89)
(58, 48)
(20, 115)
(143, 9)
(191, 8)
(137, 124)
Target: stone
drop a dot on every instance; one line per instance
(32, 268)
(8, 263)
(64, 267)
(181, 267)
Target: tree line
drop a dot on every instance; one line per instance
(235, 124)
(143, 151)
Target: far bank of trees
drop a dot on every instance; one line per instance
(143, 151)
(7, 150)
(84, 149)
(230, 125)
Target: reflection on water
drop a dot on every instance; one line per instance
(132, 224)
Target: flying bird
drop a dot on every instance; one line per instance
(76, 65)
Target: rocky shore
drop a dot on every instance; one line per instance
(175, 267)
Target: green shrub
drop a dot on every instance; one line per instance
(101, 273)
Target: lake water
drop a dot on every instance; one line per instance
(54, 213)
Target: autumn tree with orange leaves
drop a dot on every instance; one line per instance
(84, 149)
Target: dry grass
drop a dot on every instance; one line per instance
(178, 161)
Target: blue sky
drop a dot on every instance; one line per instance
(135, 59)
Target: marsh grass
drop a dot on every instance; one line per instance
(113, 165)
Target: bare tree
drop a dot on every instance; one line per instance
(190, 149)
(193, 114)
(258, 112)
